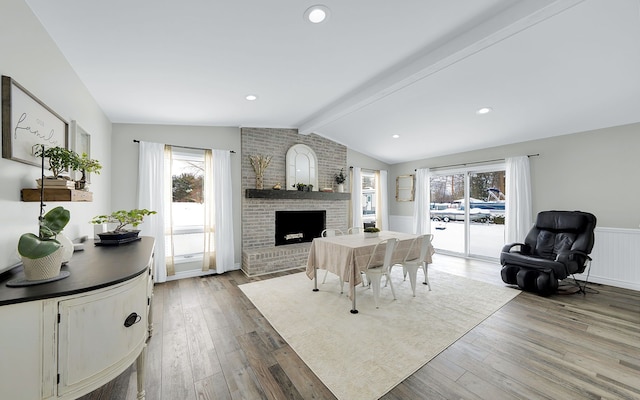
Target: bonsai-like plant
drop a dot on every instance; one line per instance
(86, 164)
(60, 159)
(340, 177)
(123, 218)
(38, 246)
(371, 229)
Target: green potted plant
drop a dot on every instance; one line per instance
(300, 186)
(371, 232)
(85, 165)
(59, 159)
(122, 218)
(42, 254)
(340, 178)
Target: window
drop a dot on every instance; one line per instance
(369, 198)
(187, 207)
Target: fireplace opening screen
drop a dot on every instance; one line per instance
(299, 226)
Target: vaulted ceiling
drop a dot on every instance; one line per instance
(419, 69)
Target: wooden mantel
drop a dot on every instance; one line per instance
(295, 194)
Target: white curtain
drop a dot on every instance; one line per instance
(356, 197)
(150, 196)
(382, 209)
(518, 208)
(222, 195)
(169, 261)
(422, 202)
(209, 252)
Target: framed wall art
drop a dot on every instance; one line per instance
(404, 188)
(80, 143)
(28, 122)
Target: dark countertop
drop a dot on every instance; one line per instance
(93, 268)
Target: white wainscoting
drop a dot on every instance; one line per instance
(616, 258)
(401, 223)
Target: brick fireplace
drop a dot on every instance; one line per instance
(260, 255)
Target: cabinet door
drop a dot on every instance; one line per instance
(94, 342)
(21, 334)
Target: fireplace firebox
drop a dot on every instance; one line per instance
(299, 226)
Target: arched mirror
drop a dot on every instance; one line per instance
(302, 166)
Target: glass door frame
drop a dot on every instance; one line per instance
(467, 171)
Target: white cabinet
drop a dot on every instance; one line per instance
(93, 340)
(67, 339)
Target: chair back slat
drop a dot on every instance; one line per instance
(382, 254)
(331, 232)
(424, 240)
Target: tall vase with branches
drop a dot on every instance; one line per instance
(259, 163)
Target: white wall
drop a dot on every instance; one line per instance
(125, 161)
(355, 159)
(31, 58)
(596, 171)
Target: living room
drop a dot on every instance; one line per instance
(592, 168)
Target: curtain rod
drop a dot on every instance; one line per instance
(186, 147)
(475, 162)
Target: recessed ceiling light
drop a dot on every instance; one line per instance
(484, 110)
(316, 14)
(395, 136)
(251, 97)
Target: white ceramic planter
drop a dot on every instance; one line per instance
(43, 268)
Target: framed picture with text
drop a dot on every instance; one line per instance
(27, 122)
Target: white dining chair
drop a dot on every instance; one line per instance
(411, 266)
(376, 269)
(331, 233)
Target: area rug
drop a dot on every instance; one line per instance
(364, 355)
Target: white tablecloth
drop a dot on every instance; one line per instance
(347, 255)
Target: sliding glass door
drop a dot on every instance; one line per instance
(467, 210)
(447, 191)
(486, 208)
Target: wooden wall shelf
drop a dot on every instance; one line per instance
(56, 195)
(295, 194)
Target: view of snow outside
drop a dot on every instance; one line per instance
(187, 208)
(486, 239)
(485, 204)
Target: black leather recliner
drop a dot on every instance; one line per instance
(557, 246)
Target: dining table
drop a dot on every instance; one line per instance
(348, 255)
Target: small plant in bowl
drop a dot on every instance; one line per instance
(371, 232)
(122, 218)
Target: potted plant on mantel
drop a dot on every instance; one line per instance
(340, 177)
(122, 218)
(42, 254)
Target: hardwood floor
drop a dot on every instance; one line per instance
(211, 343)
